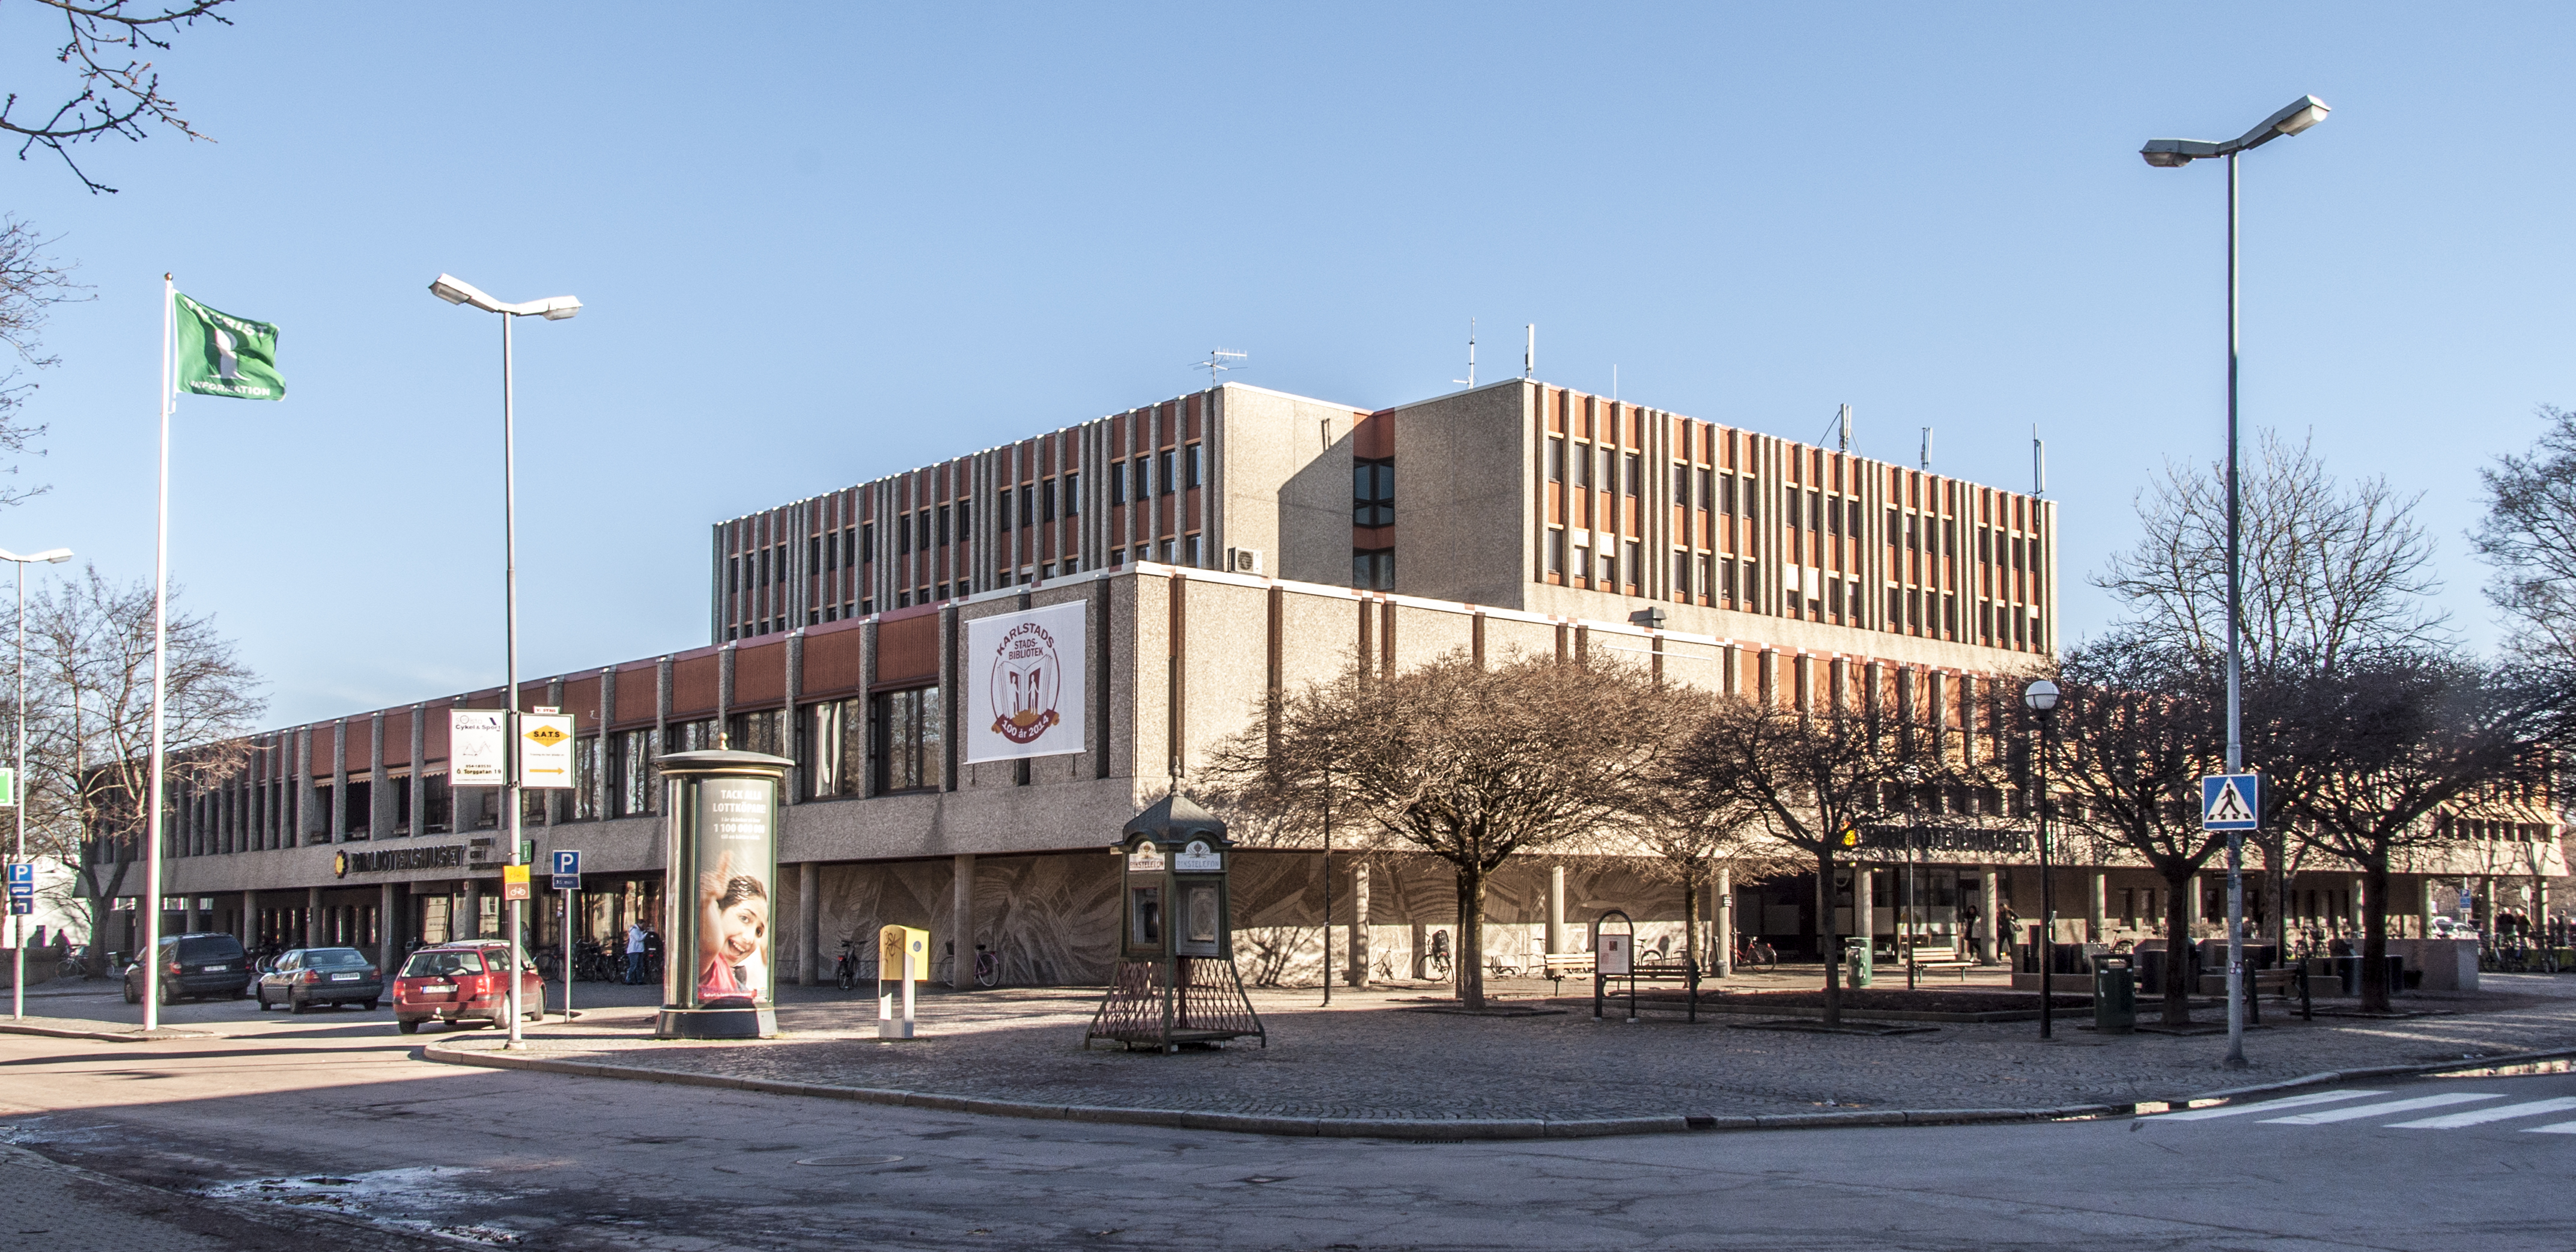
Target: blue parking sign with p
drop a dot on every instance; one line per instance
(22, 881)
(567, 870)
(2231, 802)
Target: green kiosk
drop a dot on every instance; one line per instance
(1176, 982)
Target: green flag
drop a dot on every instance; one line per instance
(223, 355)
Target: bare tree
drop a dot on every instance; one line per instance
(2529, 535)
(89, 728)
(2367, 753)
(1815, 777)
(2137, 728)
(1471, 765)
(117, 94)
(2331, 568)
(31, 283)
(1694, 832)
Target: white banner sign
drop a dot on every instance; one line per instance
(1024, 684)
(476, 746)
(545, 750)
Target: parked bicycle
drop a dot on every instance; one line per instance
(1435, 963)
(988, 967)
(1755, 953)
(845, 971)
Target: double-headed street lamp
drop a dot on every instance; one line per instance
(2299, 115)
(2041, 696)
(554, 309)
(18, 781)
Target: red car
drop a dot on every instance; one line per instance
(468, 981)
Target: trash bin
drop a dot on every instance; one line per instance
(1856, 951)
(2115, 996)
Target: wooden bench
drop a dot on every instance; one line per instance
(1559, 966)
(1947, 965)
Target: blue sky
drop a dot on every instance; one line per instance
(820, 244)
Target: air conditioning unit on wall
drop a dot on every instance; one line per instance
(1243, 560)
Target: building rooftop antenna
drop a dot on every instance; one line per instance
(1842, 420)
(1219, 361)
(1927, 448)
(1470, 379)
(1529, 354)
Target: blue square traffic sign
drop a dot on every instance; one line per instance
(2231, 802)
(22, 872)
(567, 862)
(22, 906)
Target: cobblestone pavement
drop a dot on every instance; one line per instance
(1366, 1057)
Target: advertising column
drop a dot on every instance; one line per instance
(721, 824)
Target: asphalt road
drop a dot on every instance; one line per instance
(331, 1113)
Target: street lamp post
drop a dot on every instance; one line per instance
(554, 309)
(2041, 696)
(2297, 116)
(18, 781)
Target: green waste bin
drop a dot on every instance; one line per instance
(2115, 996)
(1856, 951)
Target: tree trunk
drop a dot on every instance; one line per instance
(1469, 970)
(2374, 939)
(2178, 945)
(94, 961)
(1832, 942)
(1690, 916)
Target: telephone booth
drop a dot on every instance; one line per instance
(1176, 981)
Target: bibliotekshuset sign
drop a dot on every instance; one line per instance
(1024, 689)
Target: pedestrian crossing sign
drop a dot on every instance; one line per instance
(2231, 802)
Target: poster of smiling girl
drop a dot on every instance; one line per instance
(735, 859)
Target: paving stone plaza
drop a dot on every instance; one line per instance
(1376, 1054)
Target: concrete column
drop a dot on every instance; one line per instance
(961, 924)
(2097, 907)
(1359, 964)
(470, 925)
(1556, 908)
(1864, 904)
(389, 928)
(312, 917)
(306, 822)
(1989, 916)
(380, 781)
(809, 920)
(246, 927)
(2484, 910)
(419, 780)
(2357, 905)
(337, 820)
(188, 914)
(1721, 918)
(2423, 907)
(2191, 906)
(1421, 944)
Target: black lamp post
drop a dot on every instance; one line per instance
(2041, 696)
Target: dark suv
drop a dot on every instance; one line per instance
(192, 966)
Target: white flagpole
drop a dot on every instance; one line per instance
(151, 954)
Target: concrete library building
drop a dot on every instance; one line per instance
(1187, 561)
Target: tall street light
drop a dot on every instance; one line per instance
(2297, 116)
(554, 309)
(18, 781)
(2041, 696)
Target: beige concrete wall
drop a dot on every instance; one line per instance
(1463, 478)
(1285, 482)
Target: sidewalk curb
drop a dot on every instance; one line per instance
(105, 1036)
(1435, 1129)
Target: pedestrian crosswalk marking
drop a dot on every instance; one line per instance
(2501, 1112)
(2268, 1106)
(2561, 1128)
(2355, 1112)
